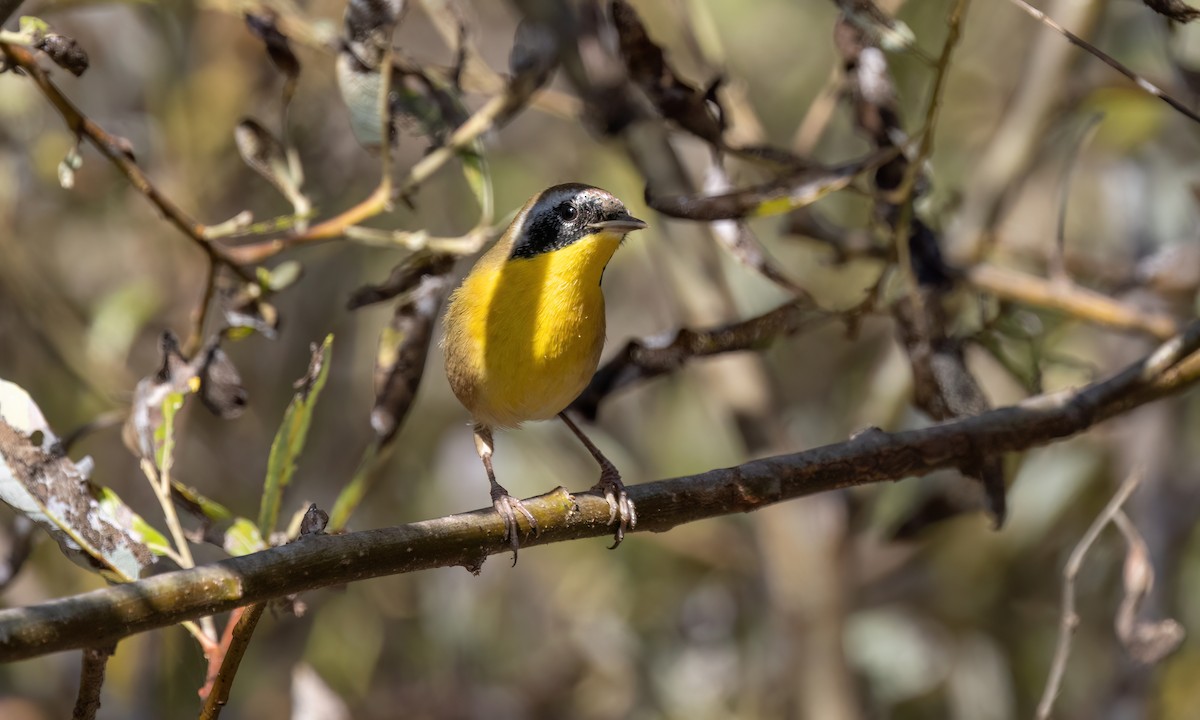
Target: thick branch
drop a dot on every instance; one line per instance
(104, 616)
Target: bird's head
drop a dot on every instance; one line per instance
(566, 214)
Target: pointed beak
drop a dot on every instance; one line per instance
(622, 222)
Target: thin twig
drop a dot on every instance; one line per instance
(1005, 283)
(118, 154)
(464, 135)
(195, 336)
(234, 646)
(1071, 299)
(647, 358)
(468, 539)
(1070, 620)
(1109, 60)
(903, 195)
(1058, 260)
(91, 681)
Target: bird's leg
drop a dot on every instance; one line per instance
(505, 504)
(620, 507)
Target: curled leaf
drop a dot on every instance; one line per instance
(65, 52)
(235, 535)
(404, 343)
(403, 278)
(314, 522)
(266, 156)
(221, 388)
(210, 373)
(1147, 641)
(175, 375)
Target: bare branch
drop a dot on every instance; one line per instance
(91, 681)
(118, 153)
(467, 539)
(1076, 301)
(1109, 60)
(241, 627)
(650, 357)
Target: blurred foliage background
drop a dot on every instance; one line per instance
(809, 609)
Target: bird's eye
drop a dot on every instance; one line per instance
(566, 212)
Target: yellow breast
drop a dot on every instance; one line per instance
(524, 336)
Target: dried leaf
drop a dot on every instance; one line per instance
(39, 481)
(221, 388)
(870, 89)
(266, 156)
(65, 52)
(245, 311)
(696, 111)
(367, 34)
(209, 373)
(1176, 10)
(403, 347)
(263, 25)
(1146, 641)
(175, 375)
(314, 522)
(884, 30)
(403, 278)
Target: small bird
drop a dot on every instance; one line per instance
(524, 331)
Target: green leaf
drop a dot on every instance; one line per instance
(164, 434)
(283, 275)
(479, 177)
(290, 438)
(243, 538)
(236, 535)
(32, 26)
(114, 507)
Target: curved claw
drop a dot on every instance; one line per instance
(505, 506)
(620, 508)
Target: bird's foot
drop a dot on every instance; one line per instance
(507, 506)
(620, 508)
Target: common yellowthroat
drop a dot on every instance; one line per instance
(525, 329)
